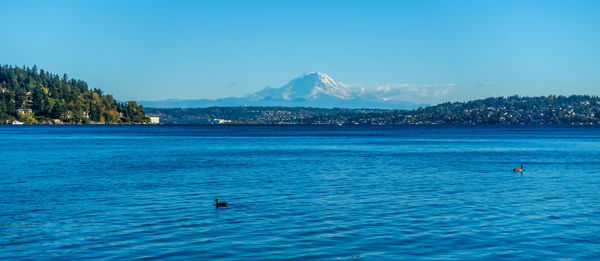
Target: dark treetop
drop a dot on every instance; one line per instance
(576, 109)
(36, 96)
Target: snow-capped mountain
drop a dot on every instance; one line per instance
(313, 89)
(310, 86)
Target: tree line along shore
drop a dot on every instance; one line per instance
(542, 110)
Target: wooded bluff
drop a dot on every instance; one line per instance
(30, 95)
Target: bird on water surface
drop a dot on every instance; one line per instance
(221, 204)
(519, 169)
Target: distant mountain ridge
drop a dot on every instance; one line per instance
(312, 89)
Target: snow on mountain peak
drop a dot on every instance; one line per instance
(309, 86)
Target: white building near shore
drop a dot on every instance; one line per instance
(25, 111)
(154, 120)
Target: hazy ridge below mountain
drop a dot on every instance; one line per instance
(312, 89)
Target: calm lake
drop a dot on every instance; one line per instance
(299, 192)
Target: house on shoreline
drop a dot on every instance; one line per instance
(24, 111)
(154, 120)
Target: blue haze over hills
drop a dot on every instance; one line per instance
(312, 89)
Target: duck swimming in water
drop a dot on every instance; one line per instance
(519, 169)
(221, 204)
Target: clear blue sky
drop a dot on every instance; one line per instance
(149, 50)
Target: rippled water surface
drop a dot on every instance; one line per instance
(299, 192)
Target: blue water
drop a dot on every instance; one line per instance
(299, 192)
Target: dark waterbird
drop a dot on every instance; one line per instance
(519, 169)
(220, 204)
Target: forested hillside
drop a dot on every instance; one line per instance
(571, 110)
(30, 95)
